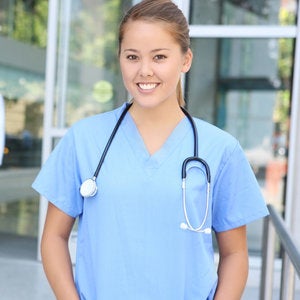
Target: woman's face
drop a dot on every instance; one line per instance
(151, 63)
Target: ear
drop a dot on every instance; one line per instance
(187, 61)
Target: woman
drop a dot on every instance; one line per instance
(137, 239)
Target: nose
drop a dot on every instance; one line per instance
(146, 69)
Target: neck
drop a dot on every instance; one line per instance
(156, 124)
(156, 116)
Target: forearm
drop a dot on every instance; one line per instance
(233, 273)
(58, 267)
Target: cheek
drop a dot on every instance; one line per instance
(128, 77)
(127, 71)
(173, 74)
(124, 73)
(122, 68)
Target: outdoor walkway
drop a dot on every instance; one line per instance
(21, 275)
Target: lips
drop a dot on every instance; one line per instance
(147, 86)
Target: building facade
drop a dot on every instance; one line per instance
(58, 64)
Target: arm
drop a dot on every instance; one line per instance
(55, 253)
(233, 264)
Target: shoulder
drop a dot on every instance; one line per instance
(213, 135)
(99, 125)
(212, 129)
(102, 120)
(218, 147)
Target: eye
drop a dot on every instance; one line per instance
(159, 57)
(132, 57)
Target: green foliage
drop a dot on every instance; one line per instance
(40, 23)
(93, 37)
(286, 17)
(285, 65)
(282, 108)
(30, 25)
(93, 32)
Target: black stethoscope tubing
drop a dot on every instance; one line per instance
(195, 157)
(128, 105)
(89, 186)
(185, 162)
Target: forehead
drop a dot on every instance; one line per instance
(145, 31)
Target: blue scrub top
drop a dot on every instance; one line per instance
(130, 244)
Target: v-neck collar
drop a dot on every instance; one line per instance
(138, 146)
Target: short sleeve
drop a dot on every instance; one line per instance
(58, 180)
(237, 199)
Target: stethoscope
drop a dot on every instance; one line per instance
(89, 186)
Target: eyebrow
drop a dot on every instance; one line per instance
(152, 51)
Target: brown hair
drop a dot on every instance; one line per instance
(162, 11)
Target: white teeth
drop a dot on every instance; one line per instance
(147, 86)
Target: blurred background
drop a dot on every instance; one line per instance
(58, 64)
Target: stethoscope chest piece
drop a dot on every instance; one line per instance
(88, 188)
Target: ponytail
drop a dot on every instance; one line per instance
(179, 93)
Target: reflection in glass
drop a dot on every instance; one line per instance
(20, 217)
(23, 28)
(88, 77)
(244, 88)
(23, 98)
(25, 21)
(243, 12)
(87, 82)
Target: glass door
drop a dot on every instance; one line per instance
(243, 62)
(82, 76)
(23, 27)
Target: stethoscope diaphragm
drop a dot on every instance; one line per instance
(88, 188)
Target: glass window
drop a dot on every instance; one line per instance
(243, 12)
(88, 82)
(24, 21)
(243, 86)
(88, 77)
(23, 27)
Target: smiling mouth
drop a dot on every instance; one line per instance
(147, 86)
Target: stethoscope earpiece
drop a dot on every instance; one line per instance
(88, 188)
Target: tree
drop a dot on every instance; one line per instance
(30, 22)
